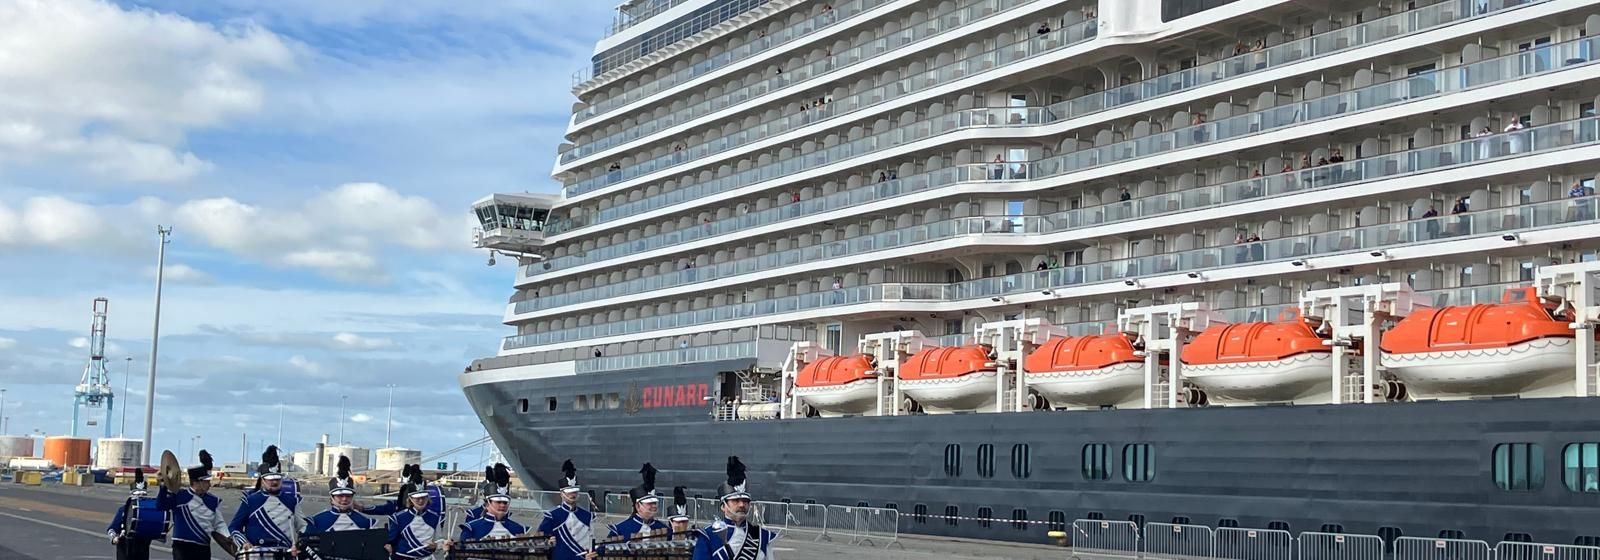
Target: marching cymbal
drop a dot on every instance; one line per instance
(170, 473)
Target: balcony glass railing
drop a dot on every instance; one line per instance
(1496, 148)
(1400, 90)
(845, 11)
(690, 355)
(1464, 226)
(1302, 49)
(839, 63)
(838, 106)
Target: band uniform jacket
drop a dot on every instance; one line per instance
(490, 528)
(267, 520)
(410, 533)
(631, 527)
(194, 516)
(571, 528)
(723, 540)
(332, 520)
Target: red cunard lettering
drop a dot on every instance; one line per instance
(674, 396)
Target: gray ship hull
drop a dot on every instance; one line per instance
(1420, 468)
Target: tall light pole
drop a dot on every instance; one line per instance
(126, 366)
(194, 446)
(388, 423)
(279, 442)
(155, 338)
(341, 418)
(2, 412)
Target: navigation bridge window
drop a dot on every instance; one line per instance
(1580, 467)
(1518, 467)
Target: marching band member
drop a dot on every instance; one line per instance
(131, 542)
(490, 475)
(412, 530)
(568, 523)
(341, 514)
(733, 537)
(495, 520)
(267, 518)
(680, 511)
(645, 504)
(196, 513)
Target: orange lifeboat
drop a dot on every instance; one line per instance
(838, 385)
(950, 379)
(1278, 361)
(1086, 371)
(1513, 347)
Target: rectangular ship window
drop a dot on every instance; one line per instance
(550, 404)
(613, 401)
(1095, 463)
(1058, 520)
(986, 460)
(1580, 463)
(1518, 467)
(950, 515)
(1137, 463)
(582, 403)
(985, 517)
(952, 460)
(522, 406)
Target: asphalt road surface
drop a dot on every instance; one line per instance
(60, 523)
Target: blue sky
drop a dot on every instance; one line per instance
(316, 160)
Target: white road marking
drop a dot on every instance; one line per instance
(74, 529)
(781, 549)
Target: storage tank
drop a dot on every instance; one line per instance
(67, 451)
(303, 461)
(111, 453)
(396, 458)
(360, 458)
(15, 446)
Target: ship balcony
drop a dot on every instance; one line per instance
(696, 67)
(767, 345)
(1129, 100)
(1553, 222)
(836, 64)
(1289, 119)
(512, 222)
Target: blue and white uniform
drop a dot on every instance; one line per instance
(726, 540)
(333, 520)
(411, 532)
(267, 520)
(194, 516)
(133, 546)
(485, 527)
(570, 526)
(633, 526)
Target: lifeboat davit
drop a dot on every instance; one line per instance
(1278, 361)
(839, 385)
(1512, 347)
(950, 379)
(1086, 370)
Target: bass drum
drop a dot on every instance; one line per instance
(149, 522)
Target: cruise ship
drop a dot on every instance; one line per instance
(1002, 264)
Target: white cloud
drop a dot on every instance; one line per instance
(361, 418)
(181, 273)
(338, 232)
(82, 343)
(7, 343)
(357, 342)
(79, 342)
(305, 365)
(115, 91)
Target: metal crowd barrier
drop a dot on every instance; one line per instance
(1168, 541)
(1095, 538)
(1418, 548)
(1106, 539)
(1233, 543)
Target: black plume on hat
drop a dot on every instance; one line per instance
(648, 471)
(269, 461)
(344, 467)
(569, 474)
(341, 482)
(202, 472)
(735, 472)
(680, 503)
(138, 486)
(501, 478)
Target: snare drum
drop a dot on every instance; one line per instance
(149, 522)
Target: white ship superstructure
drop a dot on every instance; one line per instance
(741, 174)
